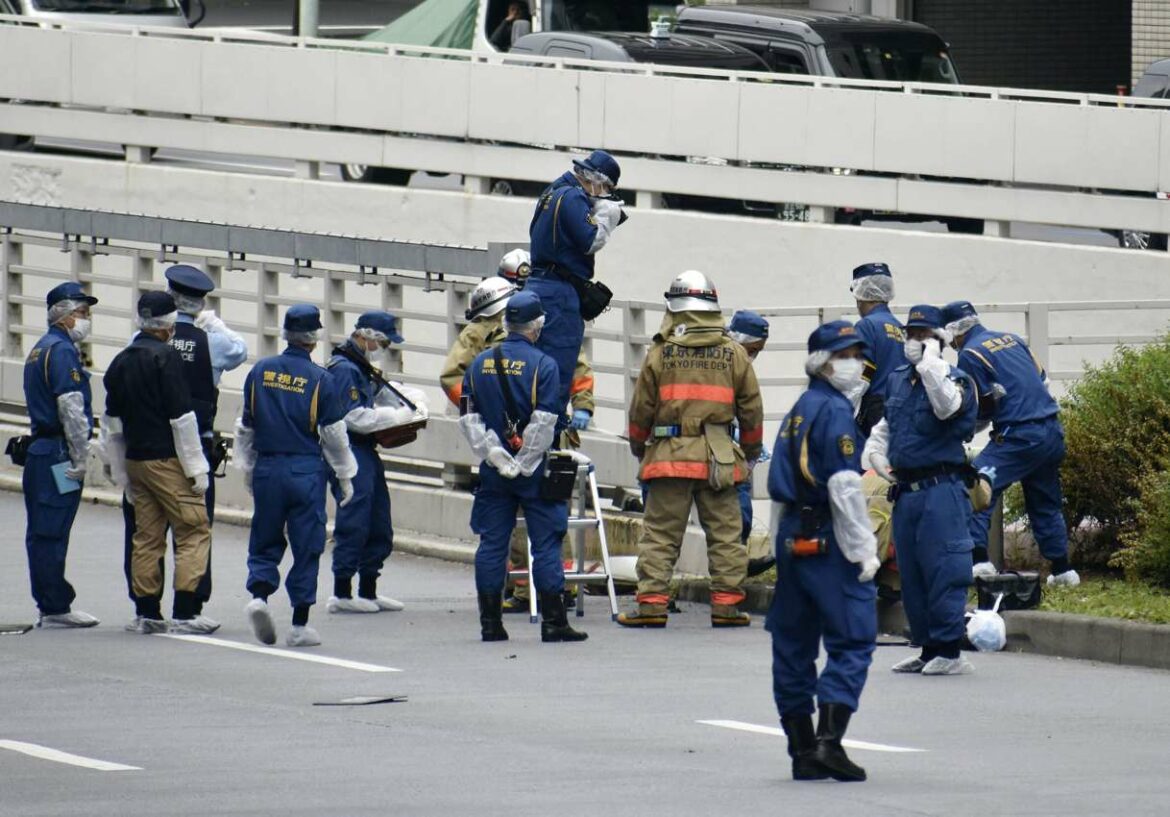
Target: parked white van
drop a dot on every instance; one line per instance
(164, 13)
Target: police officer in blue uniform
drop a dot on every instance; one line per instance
(873, 289)
(292, 416)
(1027, 438)
(56, 391)
(575, 217)
(511, 432)
(826, 558)
(920, 446)
(363, 537)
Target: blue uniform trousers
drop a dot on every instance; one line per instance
(362, 535)
(493, 517)
(745, 508)
(564, 330)
(287, 491)
(1030, 454)
(819, 598)
(934, 559)
(50, 516)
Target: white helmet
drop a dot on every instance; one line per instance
(692, 292)
(490, 297)
(516, 266)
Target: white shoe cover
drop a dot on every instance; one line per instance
(302, 637)
(199, 625)
(337, 605)
(948, 666)
(983, 569)
(75, 618)
(912, 664)
(387, 603)
(1068, 578)
(261, 620)
(146, 626)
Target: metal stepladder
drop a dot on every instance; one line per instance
(579, 524)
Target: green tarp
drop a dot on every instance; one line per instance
(437, 23)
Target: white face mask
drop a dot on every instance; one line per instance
(845, 376)
(80, 329)
(913, 351)
(378, 356)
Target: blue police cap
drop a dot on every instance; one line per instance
(925, 316)
(872, 268)
(601, 162)
(382, 322)
(302, 318)
(749, 323)
(69, 291)
(523, 307)
(833, 337)
(188, 280)
(956, 310)
(155, 304)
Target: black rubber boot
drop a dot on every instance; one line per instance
(554, 621)
(830, 754)
(802, 748)
(491, 624)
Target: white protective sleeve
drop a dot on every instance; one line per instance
(243, 451)
(113, 449)
(851, 518)
(944, 393)
(481, 438)
(369, 420)
(538, 436)
(607, 214)
(336, 450)
(71, 412)
(189, 450)
(878, 445)
(774, 518)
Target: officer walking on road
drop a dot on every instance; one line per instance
(56, 391)
(826, 558)
(511, 402)
(292, 416)
(929, 417)
(153, 448)
(750, 330)
(1027, 438)
(694, 383)
(873, 289)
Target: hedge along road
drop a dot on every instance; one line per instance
(519, 727)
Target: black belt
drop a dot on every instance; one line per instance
(927, 482)
(915, 479)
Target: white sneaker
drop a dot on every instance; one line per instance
(1068, 578)
(387, 603)
(337, 605)
(199, 625)
(302, 637)
(261, 620)
(948, 666)
(912, 664)
(146, 626)
(983, 569)
(75, 618)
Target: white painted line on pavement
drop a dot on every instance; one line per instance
(45, 753)
(344, 663)
(773, 730)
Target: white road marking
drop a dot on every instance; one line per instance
(344, 663)
(45, 753)
(773, 730)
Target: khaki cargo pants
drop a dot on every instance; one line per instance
(163, 496)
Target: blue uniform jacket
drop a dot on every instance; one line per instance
(354, 389)
(53, 368)
(287, 397)
(1001, 357)
(563, 229)
(885, 340)
(918, 439)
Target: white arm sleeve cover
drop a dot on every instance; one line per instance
(481, 438)
(185, 431)
(606, 213)
(851, 518)
(336, 450)
(113, 445)
(71, 411)
(944, 394)
(369, 420)
(538, 436)
(774, 518)
(877, 444)
(243, 454)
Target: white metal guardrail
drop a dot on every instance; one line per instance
(958, 151)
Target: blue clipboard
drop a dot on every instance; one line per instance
(65, 485)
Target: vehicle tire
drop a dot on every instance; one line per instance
(966, 226)
(376, 175)
(502, 187)
(1140, 240)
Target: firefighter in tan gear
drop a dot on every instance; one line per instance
(694, 383)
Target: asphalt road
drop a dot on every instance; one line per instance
(610, 726)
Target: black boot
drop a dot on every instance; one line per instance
(554, 621)
(830, 754)
(491, 624)
(802, 748)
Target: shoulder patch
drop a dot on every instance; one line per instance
(353, 393)
(846, 445)
(75, 375)
(591, 219)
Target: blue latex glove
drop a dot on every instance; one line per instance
(765, 455)
(989, 472)
(581, 419)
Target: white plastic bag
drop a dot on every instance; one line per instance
(986, 629)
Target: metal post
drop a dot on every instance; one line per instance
(11, 286)
(1036, 325)
(336, 325)
(633, 323)
(392, 302)
(267, 283)
(307, 15)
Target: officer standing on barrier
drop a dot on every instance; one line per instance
(363, 537)
(694, 383)
(929, 417)
(511, 402)
(291, 417)
(873, 289)
(57, 394)
(1027, 438)
(750, 330)
(826, 558)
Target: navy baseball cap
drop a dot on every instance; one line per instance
(188, 280)
(873, 268)
(746, 322)
(925, 316)
(601, 162)
(956, 310)
(155, 304)
(833, 337)
(302, 318)
(69, 291)
(523, 307)
(382, 322)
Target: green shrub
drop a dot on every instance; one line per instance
(1145, 552)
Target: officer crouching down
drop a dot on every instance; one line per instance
(826, 558)
(511, 402)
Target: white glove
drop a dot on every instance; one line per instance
(75, 471)
(608, 211)
(881, 466)
(931, 348)
(944, 337)
(869, 569)
(208, 321)
(503, 462)
(346, 486)
(200, 483)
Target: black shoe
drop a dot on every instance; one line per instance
(515, 604)
(802, 748)
(830, 754)
(491, 623)
(554, 621)
(761, 565)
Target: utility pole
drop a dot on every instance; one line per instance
(305, 18)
